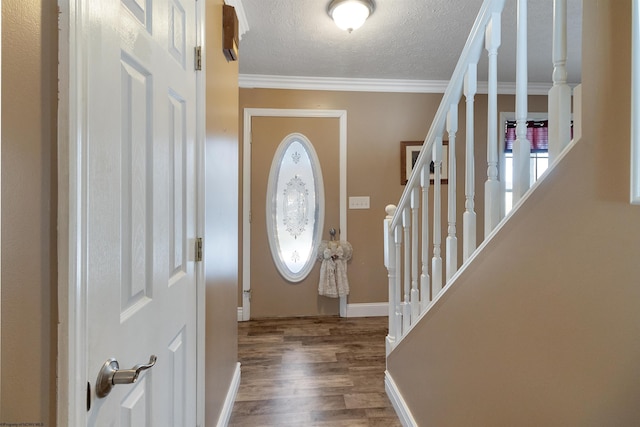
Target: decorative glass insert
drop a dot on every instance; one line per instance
(295, 207)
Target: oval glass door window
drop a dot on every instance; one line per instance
(295, 207)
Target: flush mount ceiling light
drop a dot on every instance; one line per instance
(349, 15)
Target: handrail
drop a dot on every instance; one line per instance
(470, 54)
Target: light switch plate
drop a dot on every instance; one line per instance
(359, 202)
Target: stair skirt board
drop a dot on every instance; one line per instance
(227, 409)
(403, 412)
(368, 309)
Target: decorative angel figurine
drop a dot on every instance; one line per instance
(333, 271)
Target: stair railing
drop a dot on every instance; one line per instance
(413, 250)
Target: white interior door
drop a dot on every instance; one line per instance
(139, 207)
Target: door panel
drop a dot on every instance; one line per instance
(271, 294)
(139, 217)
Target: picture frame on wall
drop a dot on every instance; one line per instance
(409, 151)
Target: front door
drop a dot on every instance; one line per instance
(139, 207)
(271, 294)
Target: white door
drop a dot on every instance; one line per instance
(139, 207)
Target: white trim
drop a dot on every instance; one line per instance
(72, 327)
(261, 81)
(402, 410)
(246, 214)
(248, 114)
(227, 409)
(372, 309)
(0, 198)
(635, 104)
(201, 313)
(273, 203)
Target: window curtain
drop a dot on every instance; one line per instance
(537, 134)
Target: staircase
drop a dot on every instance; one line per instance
(421, 266)
(538, 323)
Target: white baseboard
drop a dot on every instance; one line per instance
(403, 412)
(368, 309)
(227, 409)
(374, 309)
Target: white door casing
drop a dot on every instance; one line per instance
(129, 132)
(245, 312)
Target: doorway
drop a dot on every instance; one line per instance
(264, 129)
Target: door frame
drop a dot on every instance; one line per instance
(244, 312)
(72, 366)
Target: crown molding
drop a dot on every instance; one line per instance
(261, 81)
(243, 23)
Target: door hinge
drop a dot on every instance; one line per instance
(249, 216)
(198, 256)
(198, 58)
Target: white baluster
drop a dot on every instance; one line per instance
(406, 303)
(492, 191)
(425, 291)
(397, 238)
(560, 93)
(436, 261)
(415, 294)
(521, 146)
(469, 216)
(390, 262)
(452, 240)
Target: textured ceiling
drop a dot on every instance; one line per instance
(403, 39)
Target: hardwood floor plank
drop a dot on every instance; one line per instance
(338, 415)
(289, 405)
(317, 372)
(365, 400)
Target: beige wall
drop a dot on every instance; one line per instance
(221, 216)
(543, 327)
(376, 123)
(29, 289)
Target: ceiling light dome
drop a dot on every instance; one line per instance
(349, 15)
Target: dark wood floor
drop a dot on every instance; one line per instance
(320, 371)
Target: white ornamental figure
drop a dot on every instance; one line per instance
(333, 271)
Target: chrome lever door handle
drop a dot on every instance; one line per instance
(111, 374)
